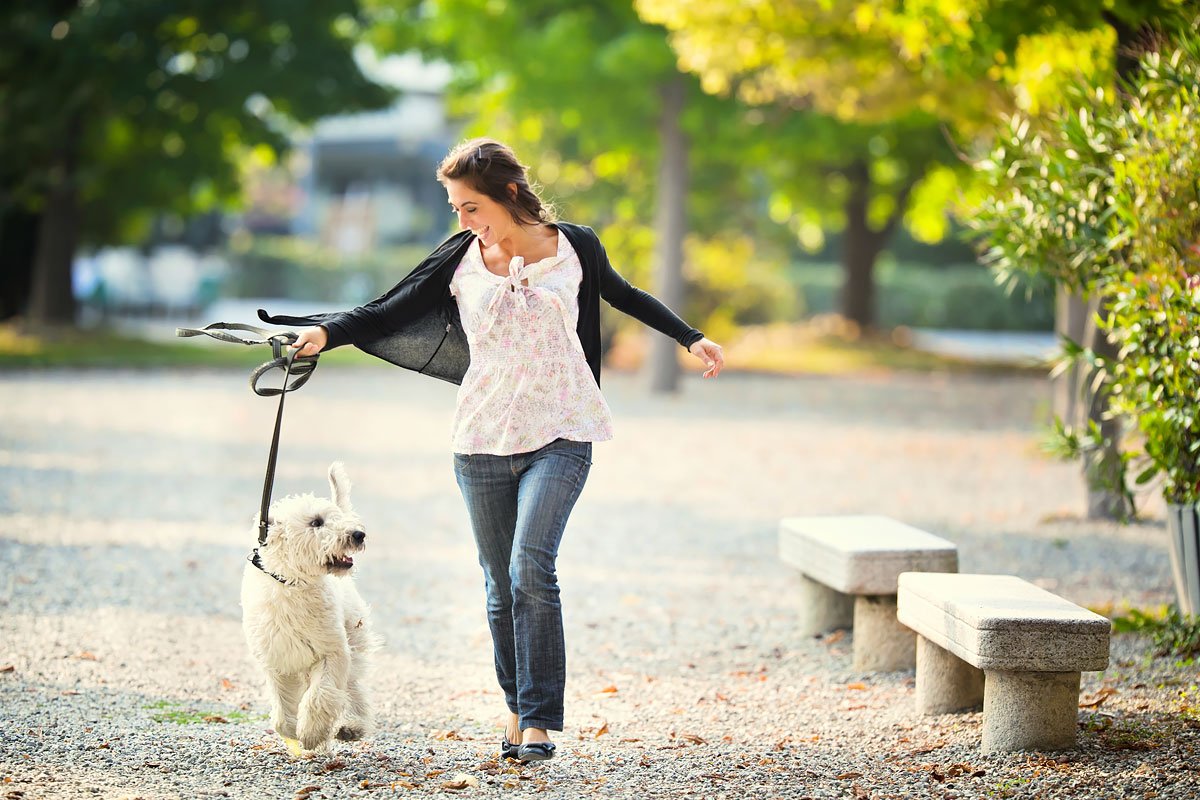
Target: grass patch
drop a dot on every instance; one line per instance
(105, 350)
(1173, 633)
(821, 346)
(832, 345)
(803, 349)
(181, 714)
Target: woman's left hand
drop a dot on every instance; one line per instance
(712, 356)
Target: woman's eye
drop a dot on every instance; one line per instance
(317, 522)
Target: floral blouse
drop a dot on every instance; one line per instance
(528, 383)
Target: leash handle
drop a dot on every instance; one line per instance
(302, 369)
(296, 372)
(269, 483)
(214, 330)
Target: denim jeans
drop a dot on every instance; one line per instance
(519, 506)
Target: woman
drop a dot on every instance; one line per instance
(524, 290)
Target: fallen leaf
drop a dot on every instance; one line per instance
(691, 737)
(460, 781)
(713, 777)
(603, 730)
(86, 655)
(226, 684)
(433, 773)
(1101, 695)
(8, 668)
(365, 785)
(447, 736)
(835, 637)
(608, 690)
(860, 793)
(214, 718)
(845, 776)
(334, 764)
(403, 785)
(307, 790)
(856, 687)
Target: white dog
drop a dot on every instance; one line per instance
(305, 623)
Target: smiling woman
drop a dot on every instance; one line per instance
(520, 292)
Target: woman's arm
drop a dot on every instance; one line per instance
(648, 309)
(415, 294)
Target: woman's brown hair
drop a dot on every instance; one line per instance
(489, 167)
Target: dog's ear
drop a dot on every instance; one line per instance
(339, 485)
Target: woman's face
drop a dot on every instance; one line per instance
(479, 213)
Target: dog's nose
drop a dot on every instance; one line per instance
(359, 537)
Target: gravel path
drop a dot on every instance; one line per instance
(125, 508)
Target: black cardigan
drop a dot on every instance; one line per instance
(415, 325)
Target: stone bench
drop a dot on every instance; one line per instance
(848, 570)
(1002, 641)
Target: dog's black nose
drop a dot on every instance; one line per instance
(359, 537)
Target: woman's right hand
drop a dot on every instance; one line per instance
(311, 341)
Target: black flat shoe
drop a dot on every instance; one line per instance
(508, 749)
(536, 751)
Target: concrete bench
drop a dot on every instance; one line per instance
(1002, 641)
(848, 570)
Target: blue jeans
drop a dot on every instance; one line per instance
(519, 506)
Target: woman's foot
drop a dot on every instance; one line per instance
(510, 745)
(536, 745)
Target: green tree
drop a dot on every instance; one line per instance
(112, 112)
(867, 149)
(618, 131)
(962, 62)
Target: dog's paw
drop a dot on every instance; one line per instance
(313, 740)
(284, 728)
(351, 733)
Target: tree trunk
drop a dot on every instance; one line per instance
(1075, 404)
(1101, 470)
(670, 224)
(860, 249)
(18, 244)
(862, 245)
(52, 298)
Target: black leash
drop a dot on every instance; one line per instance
(284, 357)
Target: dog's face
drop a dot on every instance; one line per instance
(309, 536)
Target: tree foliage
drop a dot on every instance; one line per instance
(132, 108)
(575, 88)
(1101, 193)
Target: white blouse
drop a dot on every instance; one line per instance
(528, 383)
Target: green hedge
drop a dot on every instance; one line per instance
(916, 295)
(303, 270)
(922, 296)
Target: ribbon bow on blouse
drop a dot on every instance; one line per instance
(514, 287)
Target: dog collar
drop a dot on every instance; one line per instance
(255, 559)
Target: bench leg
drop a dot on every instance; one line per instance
(823, 609)
(1030, 710)
(881, 643)
(945, 682)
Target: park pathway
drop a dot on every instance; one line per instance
(126, 501)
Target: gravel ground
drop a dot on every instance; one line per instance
(125, 508)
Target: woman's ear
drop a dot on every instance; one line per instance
(512, 190)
